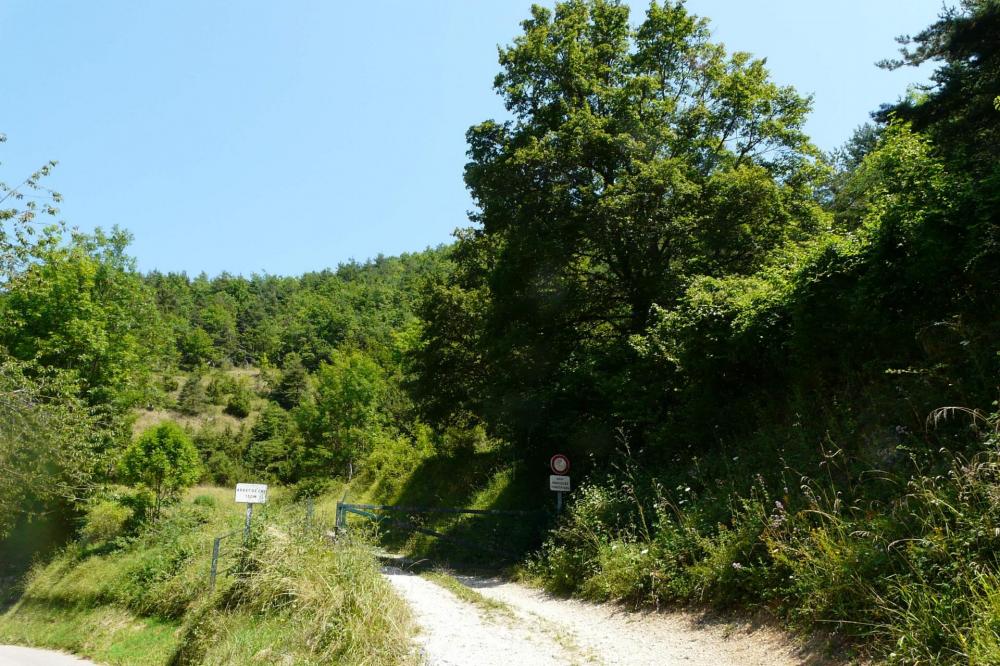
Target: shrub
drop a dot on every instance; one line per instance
(169, 383)
(206, 501)
(905, 562)
(192, 399)
(223, 470)
(240, 403)
(115, 512)
(220, 386)
(105, 520)
(311, 487)
(393, 459)
(293, 384)
(221, 451)
(141, 501)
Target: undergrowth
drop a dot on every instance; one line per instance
(902, 563)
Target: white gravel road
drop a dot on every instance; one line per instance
(543, 630)
(12, 655)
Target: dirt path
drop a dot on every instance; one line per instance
(539, 630)
(12, 655)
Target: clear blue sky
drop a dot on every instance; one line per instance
(282, 137)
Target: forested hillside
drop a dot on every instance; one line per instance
(776, 370)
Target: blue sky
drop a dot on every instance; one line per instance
(281, 137)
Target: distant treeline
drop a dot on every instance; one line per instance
(261, 319)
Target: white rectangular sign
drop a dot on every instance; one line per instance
(251, 493)
(559, 483)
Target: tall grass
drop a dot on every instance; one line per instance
(904, 564)
(309, 602)
(289, 596)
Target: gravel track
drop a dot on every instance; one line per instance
(543, 630)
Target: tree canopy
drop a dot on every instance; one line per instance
(637, 158)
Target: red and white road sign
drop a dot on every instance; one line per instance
(559, 464)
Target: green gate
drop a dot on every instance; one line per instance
(388, 515)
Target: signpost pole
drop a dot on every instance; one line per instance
(246, 527)
(559, 502)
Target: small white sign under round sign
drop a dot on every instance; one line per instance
(559, 483)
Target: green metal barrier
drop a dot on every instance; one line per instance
(368, 511)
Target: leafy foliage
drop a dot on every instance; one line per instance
(240, 402)
(82, 308)
(637, 158)
(49, 444)
(192, 398)
(341, 420)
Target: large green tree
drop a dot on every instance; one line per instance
(339, 422)
(959, 111)
(636, 158)
(958, 107)
(48, 444)
(81, 307)
(50, 441)
(164, 459)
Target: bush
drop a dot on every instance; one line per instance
(905, 562)
(240, 403)
(192, 399)
(220, 386)
(105, 521)
(206, 501)
(220, 468)
(293, 384)
(393, 460)
(169, 383)
(312, 487)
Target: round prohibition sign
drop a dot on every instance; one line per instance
(559, 464)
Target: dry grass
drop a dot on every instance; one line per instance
(213, 417)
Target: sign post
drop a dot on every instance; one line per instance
(559, 479)
(250, 494)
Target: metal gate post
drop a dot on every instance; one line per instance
(215, 562)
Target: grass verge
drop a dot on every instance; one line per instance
(467, 594)
(289, 597)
